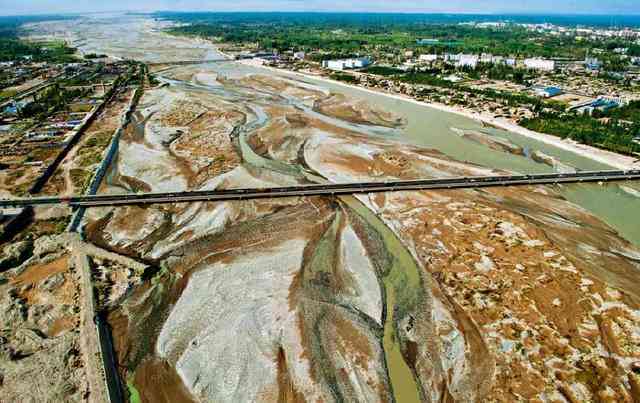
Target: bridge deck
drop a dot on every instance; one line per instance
(326, 189)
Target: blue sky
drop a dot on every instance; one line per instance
(13, 7)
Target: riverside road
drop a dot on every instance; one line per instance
(327, 189)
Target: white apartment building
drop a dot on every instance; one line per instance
(450, 57)
(486, 58)
(334, 64)
(346, 63)
(468, 61)
(540, 64)
(428, 58)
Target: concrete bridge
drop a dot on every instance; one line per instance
(327, 189)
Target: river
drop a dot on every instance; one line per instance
(431, 128)
(426, 127)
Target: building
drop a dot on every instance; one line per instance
(592, 63)
(11, 110)
(333, 64)
(468, 61)
(428, 58)
(14, 107)
(453, 78)
(451, 58)
(346, 64)
(540, 64)
(510, 61)
(406, 66)
(299, 55)
(360, 62)
(486, 58)
(427, 41)
(601, 104)
(548, 92)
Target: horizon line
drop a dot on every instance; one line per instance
(492, 13)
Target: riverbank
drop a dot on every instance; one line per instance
(614, 160)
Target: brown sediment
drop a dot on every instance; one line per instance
(61, 325)
(606, 333)
(158, 382)
(119, 324)
(38, 272)
(533, 277)
(495, 143)
(554, 298)
(359, 112)
(133, 219)
(260, 232)
(134, 184)
(634, 382)
(478, 353)
(352, 341)
(287, 392)
(195, 255)
(566, 314)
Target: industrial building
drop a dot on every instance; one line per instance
(547, 92)
(601, 104)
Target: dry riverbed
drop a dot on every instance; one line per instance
(466, 295)
(495, 295)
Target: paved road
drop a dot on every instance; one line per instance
(326, 189)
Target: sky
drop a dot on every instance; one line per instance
(20, 7)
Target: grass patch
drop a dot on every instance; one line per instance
(134, 395)
(89, 158)
(8, 93)
(79, 177)
(344, 77)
